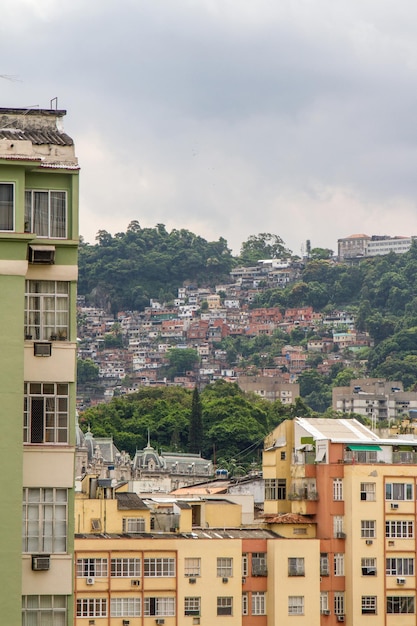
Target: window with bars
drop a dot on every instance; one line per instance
(192, 606)
(46, 213)
(96, 568)
(41, 610)
(339, 602)
(368, 492)
(401, 604)
(125, 607)
(225, 605)
(224, 567)
(7, 206)
(368, 566)
(368, 529)
(324, 564)
(192, 566)
(91, 607)
(259, 567)
(296, 566)
(159, 567)
(399, 529)
(45, 418)
(44, 520)
(159, 606)
(132, 525)
(258, 603)
(400, 566)
(398, 491)
(125, 568)
(295, 605)
(368, 605)
(47, 309)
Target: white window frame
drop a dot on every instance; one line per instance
(399, 566)
(245, 564)
(399, 529)
(324, 601)
(125, 567)
(192, 567)
(91, 607)
(399, 492)
(258, 603)
(245, 603)
(368, 566)
(368, 492)
(92, 567)
(368, 529)
(296, 566)
(339, 602)
(259, 564)
(401, 605)
(51, 228)
(338, 524)
(339, 564)
(368, 605)
(324, 564)
(192, 606)
(159, 567)
(43, 609)
(133, 525)
(224, 567)
(224, 605)
(45, 520)
(47, 304)
(295, 605)
(6, 205)
(125, 607)
(162, 606)
(46, 413)
(337, 489)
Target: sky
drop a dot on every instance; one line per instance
(228, 117)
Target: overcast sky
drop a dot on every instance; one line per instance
(228, 117)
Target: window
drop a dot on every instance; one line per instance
(47, 309)
(225, 605)
(400, 567)
(324, 564)
(224, 567)
(339, 602)
(275, 489)
(337, 489)
(296, 566)
(400, 604)
(245, 565)
(399, 491)
(91, 607)
(245, 603)
(125, 607)
(368, 492)
(399, 529)
(339, 564)
(368, 529)
(45, 418)
(258, 603)
(7, 208)
(192, 567)
(41, 610)
(44, 520)
(162, 567)
(96, 568)
(163, 607)
(324, 601)
(368, 567)
(259, 567)
(133, 525)
(46, 213)
(192, 606)
(125, 568)
(295, 605)
(368, 605)
(337, 525)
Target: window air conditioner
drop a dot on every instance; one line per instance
(394, 505)
(41, 563)
(369, 542)
(340, 618)
(225, 580)
(160, 621)
(340, 535)
(90, 581)
(135, 583)
(326, 612)
(42, 255)
(243, 580)
(401, 581)
(42, 349)
(192, 581)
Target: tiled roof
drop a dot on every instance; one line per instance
(130, 502)
(37, 136)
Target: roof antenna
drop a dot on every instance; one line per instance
(56, 103)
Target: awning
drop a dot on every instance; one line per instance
(364, 448)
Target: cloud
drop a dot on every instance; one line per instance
(229, 118)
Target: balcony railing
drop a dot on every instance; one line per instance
(303, 494)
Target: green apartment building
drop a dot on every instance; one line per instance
(38, 277)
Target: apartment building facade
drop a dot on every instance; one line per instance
(38, 274)
(360, 492)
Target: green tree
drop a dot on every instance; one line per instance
(181, 360)
(263, 246)
(196, 435)
(87, 371)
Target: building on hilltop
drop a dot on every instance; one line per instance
(359, 246)
(38, 276)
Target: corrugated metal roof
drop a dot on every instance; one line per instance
(37, 136)
(129, 502)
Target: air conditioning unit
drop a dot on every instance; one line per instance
(126, 622)
(401, 581)
(41, 255)
(160, 621)
(369, 542)
(243, 580)
(394, 505)
(340, 618)
(42, 349)
(90, 581)
(325, 612)
(41, 563)
(225, 580)
(391, 543)
(135, 583)
(340, 535)
(192, 581)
